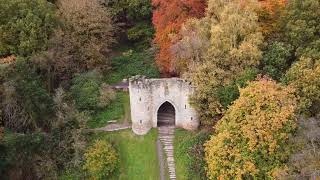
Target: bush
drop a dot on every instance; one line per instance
(101, 160)
(251, 140)
(304, 75)
(25, 26)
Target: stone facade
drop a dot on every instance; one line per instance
(147, 95)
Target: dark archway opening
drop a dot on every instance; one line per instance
(166, 115)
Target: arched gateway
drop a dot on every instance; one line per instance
(161, 102)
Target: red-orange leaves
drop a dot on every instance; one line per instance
(168, 17)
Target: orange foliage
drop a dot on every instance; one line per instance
(8, 59)
(168, 17)
(269, 15)
(273, 5)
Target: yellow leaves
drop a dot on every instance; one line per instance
(252, 132)
(305, 77)
(101, 160)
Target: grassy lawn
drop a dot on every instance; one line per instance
(138, 154)
(118, 110)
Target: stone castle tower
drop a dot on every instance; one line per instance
(161, 102)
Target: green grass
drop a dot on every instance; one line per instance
(118, 110)
(132, 63)
(138, 154)
(189, 155)
(180, 156)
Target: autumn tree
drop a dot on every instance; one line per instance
(270, 14)
(193, 45)
(101, 160)
(304, 75)
(168, 17)
(82, 43)
(250, 141)
(218, 49)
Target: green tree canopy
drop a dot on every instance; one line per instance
(25, 26)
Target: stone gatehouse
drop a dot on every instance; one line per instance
(160, 102)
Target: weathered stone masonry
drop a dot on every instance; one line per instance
(147, 95)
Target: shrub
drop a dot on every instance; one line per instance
(251, 140)
(25, 26)
(304, 75)
(101, 160)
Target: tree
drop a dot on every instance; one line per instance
(193, 45)
(67, 140)
(304, 75)
(301, 26)
(101, 160)
(82, 43)
(25, 26)
(270, 13)
(234, 46)
(276, 59)
(135, 18)
(251, 140)
(167, 19)
(27, 105)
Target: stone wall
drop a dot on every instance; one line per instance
(147, 95)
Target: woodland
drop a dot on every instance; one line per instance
(255, 65)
